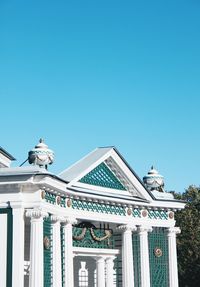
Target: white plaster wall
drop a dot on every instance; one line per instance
(3, 248)
(26, 252)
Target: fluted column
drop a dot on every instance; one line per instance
(144, 255)
(127, 255)
(173, 268)
(69, 264)
(57, 270)
(110, 271)
(36, 247)
(18, 246)
(100, 272)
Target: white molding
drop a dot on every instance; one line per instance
(18, 245)
(83, 251)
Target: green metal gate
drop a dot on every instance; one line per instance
(47, 235)
(158, 258)
(136, 260)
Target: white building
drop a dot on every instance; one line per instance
(96, 224)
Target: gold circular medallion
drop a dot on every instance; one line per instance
(43, 193)
(58, 199)
(144, 213)
(157, 252)
(46, 242)
(129, 211)
(69, 203)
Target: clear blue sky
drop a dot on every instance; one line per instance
(88, 73)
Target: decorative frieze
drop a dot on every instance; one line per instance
(158, 214)
(106, 208)
(98, 207)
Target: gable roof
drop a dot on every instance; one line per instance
(6, 154)
(104, 171)
(73, 171)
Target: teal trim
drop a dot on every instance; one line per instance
(98, 207)
(62, 233)
(158, 214)
(159, 265)
(102, 176)
(118, 260)
(136, 212)
(50, 197)
(136, 259)
(8, 211)
(47, 231)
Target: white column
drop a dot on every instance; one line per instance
(173, 268)
(18, 247)
(144, 255)
(110, 271)
(57, 270)
(69, 264)
(36, 247)
(127, 255)
(100, 272)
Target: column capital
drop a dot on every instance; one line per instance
(110, 258)
(56, 218)
(69, 220)
(143, 229)
(36, 213)
(173, 230)
(100, 259)
(127, 227)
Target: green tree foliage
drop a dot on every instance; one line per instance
(188, 242)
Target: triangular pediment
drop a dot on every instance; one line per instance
(104, 172)
(102, 176)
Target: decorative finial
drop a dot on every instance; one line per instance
(41, 155)
(153, 180)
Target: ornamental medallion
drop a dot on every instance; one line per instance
(58, 199)
(144, 213)
(69, 203)
(171, 215)
(157, 252)
(46, 242)
(43, 193)
(129, 211)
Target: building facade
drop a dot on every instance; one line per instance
(96, 224)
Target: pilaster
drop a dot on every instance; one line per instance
(110, 271)
(57, 270)
(173, 268)
(127, 255)
(18, 246)
(69, 264)
(144, 255)
(36, 247)
(100, 272)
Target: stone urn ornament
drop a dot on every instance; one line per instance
(41, 155)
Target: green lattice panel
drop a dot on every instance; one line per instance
(136, 260)
(98, 207)
(102, 176)
(158, 214)
(50, 197)
(118, 260)
(159, 266)
(62, 201)
(136, 212)
(89, 242)
(47, 231)
(63, 254)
